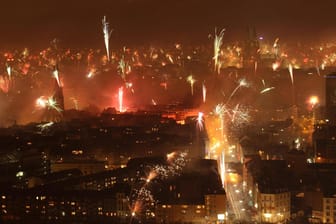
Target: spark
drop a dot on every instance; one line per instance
(154, 102)
(218, 41)
(107, 35)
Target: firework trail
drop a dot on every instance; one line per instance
(242, 83)
(317, 69)
(191, 80)
(204, 91)
(222, 167)
(290, 70)
(218, 41)
(9, 71)
(107, 35)
(45, 126)
(266, 90)
(200, 121)
(120, 99)
(56, 76)
(255, 67)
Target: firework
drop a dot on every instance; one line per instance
(151, 176)
(49, 103)
(255, 67)
(266, 90)
(143, 195)
(242, 83)
(218, 41)
(107, 34)
(275, 66)
(4, 83)
(45, 126)
(120, 99)
(124, 68)
(191, 81)
(9, 71)
(290, 70)
(222, 167)
(204, 91)
(56, 76)
(200, 121)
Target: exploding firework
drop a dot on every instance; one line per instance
(107, 34)
(48, 103)
(124, 68)
(142, 195)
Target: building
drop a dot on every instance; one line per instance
(180, 213)
(273, 206)
(324, 144)
(85, 166)
(330, 95)
(215, 208)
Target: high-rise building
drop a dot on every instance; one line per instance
(330, 95)
(251, 55)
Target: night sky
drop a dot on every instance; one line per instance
(77, 22)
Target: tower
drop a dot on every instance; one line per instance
(251, 48)
(330, 96)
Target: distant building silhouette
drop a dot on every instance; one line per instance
(330, 83)
(251, 48)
